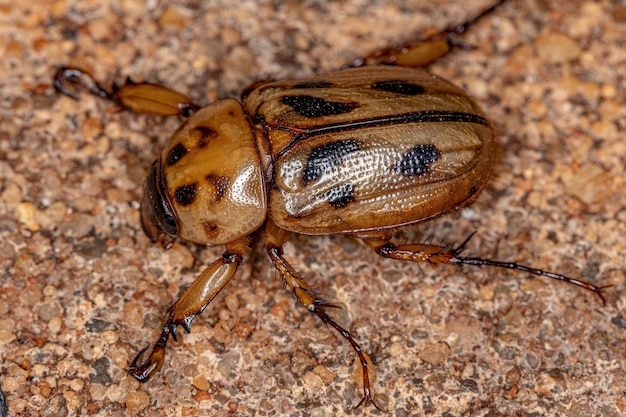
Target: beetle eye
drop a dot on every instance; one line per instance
(156, 216)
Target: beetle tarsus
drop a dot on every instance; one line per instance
(367, 399)
(151, 366)
(539, 272)
(80, 78)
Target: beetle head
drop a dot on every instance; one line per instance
(156, 215)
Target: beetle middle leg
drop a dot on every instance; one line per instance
(434, 254)
(275, 238)
(193, 301)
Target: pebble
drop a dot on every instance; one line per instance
(135, 402)
(435, 353)
(25, 213)
(201, 383)
(6, 337)
(556, 48)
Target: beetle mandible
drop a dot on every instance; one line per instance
(358, 152)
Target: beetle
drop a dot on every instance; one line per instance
(358, 152)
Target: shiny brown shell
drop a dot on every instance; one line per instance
(355, 150)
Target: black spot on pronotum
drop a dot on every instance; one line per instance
(341, 196)
(186, 194)
(313, 107)
(175, 154)
(220, 184)
(417, 160)
(399, 87)
(206, 135)
(210, 229)
(324, 158)
(314, 84)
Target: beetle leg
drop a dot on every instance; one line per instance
(139, 98)
(422, 53)
(434, 254)
(193, 301)
(275, 238)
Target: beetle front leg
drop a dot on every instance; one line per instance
(275, 238)
(193, 301)
(136, 97)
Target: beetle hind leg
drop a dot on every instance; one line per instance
(275, 238)
(434, 254)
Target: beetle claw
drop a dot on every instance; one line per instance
(172, 329)
(78, 77)
(144, 372)
(187, 324)
(367, 399)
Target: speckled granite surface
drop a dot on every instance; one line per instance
(82, 288)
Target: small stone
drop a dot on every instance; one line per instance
(132, 314)
(135, 402)
(591, 184)
(201, 383)
(313, 381)
(48, 311)
(10, 384)
(324, 373)
(54, 325)
(242, 330)
(512, 376)
(12, 195)
(25, 213)
(73, 400)
(435, 353)
(173, 16)
(556, 48)
(202, 396)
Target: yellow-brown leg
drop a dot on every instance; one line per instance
(422, 53)
(434, 254)
(275, 238)
(139, 98)
(193, 301)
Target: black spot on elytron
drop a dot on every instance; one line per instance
(186, 194)
(473, 190)
(206, 135)
(417, 160)
(314, 84)
(324, 158)
(175, 154)
(220, 183)
(341, 195)
(399, 87)
(313, 107)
